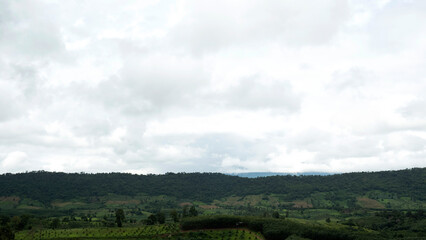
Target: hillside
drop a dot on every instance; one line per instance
(367, 205)
(50, 186)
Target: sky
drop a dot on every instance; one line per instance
(212, 86)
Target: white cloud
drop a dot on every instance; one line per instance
(158, 86)
(248, 124)
(395, 27)
(10, 101)
(14, 162)
(208, 26)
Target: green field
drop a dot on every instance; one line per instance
(169, 231)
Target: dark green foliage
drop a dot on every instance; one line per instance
(55, 223)
(152, 219)
(4, 220)
(210, 222)
(193, 212)
(275, 214)
(161, 218)
(295, 237)
(6, 233)
(407, 224)
(276, 229)
(174, 215)
(185, 211)
(119, 217)
(48, 186)
(17, 223)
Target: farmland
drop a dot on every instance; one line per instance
(44, 205)
(167, 231)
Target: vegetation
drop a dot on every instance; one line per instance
(45, 187)
(119, 217)
(144, 232)
(49, 205)
(279, 229)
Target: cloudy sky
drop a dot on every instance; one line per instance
(223, 86)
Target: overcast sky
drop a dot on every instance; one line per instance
(222, 86)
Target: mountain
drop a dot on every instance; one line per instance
(50, 186)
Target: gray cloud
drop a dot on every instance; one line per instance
(195, 86)
(148, 84)
(9, 102)
(415, 109)
(405, 142)
(353, 79)
(250, 93)
(348, 148)
(33, 29)
(211, 27)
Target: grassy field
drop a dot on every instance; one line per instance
(168, 231)
(103, 233)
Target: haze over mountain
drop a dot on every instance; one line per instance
(212, 86)
(268, 174)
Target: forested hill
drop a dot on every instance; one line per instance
(49, 186)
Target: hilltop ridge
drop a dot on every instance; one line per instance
(49, 186)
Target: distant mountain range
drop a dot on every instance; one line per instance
(268, 174)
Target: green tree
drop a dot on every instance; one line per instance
(4, 220)
(161, 218)
(119, 217)
(18, 223)
(185, 211)
(6, 233)
(152, 219)
(55, 223)
(193, 212)
(275, 214)
(174, 215)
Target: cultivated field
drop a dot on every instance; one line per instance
(167, 231)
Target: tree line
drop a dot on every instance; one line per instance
(49, 186)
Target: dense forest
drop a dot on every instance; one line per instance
(49, 186)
